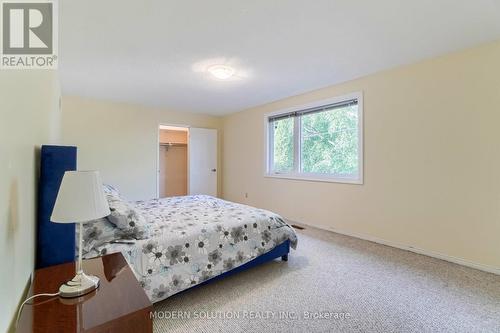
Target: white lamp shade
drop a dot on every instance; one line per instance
(80, 198)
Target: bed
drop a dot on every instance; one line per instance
(171, 244)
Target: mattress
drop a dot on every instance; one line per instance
(194, 238)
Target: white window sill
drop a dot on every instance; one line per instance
(315, 178)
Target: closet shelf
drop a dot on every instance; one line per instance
(173, 144)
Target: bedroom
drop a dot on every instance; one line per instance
(367, 131)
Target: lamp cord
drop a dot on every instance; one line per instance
(29, 298)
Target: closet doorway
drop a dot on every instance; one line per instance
(173, 161)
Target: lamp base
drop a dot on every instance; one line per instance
(80, 285)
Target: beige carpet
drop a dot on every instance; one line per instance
(362, 286)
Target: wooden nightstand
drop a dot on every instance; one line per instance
(118, 305)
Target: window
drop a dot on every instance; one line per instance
(321, 141)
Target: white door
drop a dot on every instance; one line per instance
(202, 148)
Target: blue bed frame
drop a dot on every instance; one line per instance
(54, 161)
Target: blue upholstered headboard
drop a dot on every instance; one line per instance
(55, 241)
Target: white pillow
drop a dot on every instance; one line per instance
(129, 221)
(96, 233)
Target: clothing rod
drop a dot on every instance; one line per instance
(173, 144)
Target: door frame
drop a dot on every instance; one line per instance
(158, 154)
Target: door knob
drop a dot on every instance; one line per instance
(214, 170)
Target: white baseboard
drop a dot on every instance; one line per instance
(459, 261)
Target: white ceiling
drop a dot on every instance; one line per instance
(154, 52)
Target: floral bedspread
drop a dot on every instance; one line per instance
(195, 238)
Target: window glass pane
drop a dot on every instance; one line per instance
(329, 142)
(283, 145)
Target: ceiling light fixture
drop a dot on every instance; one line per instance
(221, 72)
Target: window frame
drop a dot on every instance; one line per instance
(316, 177)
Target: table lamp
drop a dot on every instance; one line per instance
(80, 199)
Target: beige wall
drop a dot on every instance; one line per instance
(121, 140)
(169, 136)
(29, 117)
(432, 160)
(173, 171)
(173, 164)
